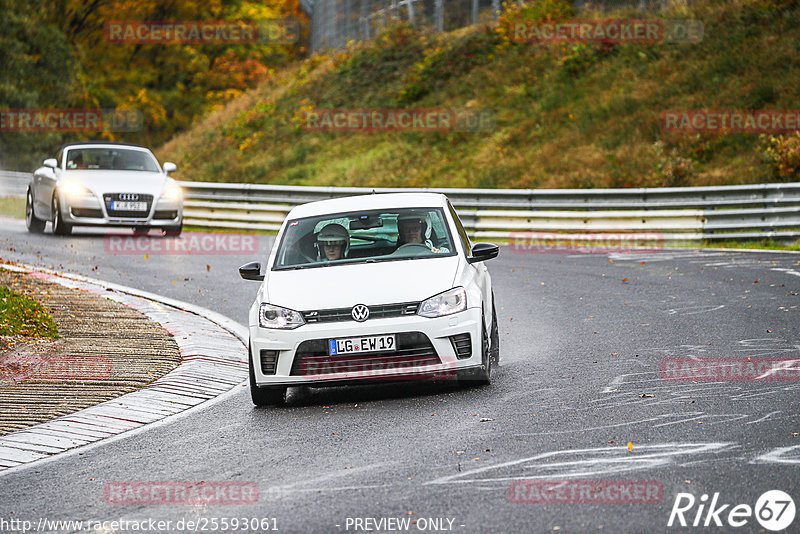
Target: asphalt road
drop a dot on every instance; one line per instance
(579, 397)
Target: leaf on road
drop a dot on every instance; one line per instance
(486, 419)
(643, 395)
(624, 279)
(630, 445)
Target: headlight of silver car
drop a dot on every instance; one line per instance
(73, 190)
(171, 192)
(270, 316)
(447, 303)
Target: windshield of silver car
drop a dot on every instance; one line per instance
(110, 159)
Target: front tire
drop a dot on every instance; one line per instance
(494, 348)
(59, 226)
(264, 396)
(34, 224)
(173, 231)
(483, 375)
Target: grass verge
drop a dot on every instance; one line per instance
(12, 207)
(22, 316)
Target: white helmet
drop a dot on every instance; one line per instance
(332, 234)
(416, 216)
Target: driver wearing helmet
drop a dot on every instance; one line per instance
(333, 242)
(415, 227)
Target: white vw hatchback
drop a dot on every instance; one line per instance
(381, 287)
(104, 184)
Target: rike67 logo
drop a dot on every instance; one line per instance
(774, 510)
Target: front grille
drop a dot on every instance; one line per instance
(269, 361)
(380, 311)
(111, 197)
(87, 212)
(165, 214)
(462, 344)
(414, 349)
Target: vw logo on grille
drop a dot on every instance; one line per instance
(360, 313)
(128, 196)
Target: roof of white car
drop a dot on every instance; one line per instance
(369, 202)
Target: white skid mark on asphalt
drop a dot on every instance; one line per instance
(694, 310)
(618, 381)
(601, 461)
(787, 271)
(782, 455)
(782, 367)
(628, 423)
(770, 414)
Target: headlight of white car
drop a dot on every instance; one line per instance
(447, 303)
(270, 316)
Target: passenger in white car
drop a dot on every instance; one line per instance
(333, 243)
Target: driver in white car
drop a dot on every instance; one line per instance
(333, 243)
(415, 227)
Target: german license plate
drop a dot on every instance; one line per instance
(117, 205)
(352, 345)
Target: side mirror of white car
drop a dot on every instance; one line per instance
(51, 163)
(483, 252)
(251, 271)
(170, 167)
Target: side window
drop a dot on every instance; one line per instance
(59, 160)
(462, 234)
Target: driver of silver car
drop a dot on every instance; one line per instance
(333, 243)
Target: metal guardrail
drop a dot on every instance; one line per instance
(14, 184)
(738, 212)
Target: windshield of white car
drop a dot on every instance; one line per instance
(110, 159)
(369, 236)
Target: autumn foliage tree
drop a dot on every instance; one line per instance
(57, 54)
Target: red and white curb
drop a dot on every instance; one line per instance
(213, 361)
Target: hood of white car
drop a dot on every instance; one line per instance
(101, 182)
(342, 286)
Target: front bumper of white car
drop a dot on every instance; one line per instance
(425, 348)
(89, 210)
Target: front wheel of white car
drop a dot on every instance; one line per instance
(481, 376)
(34, 224)
(264, 396)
